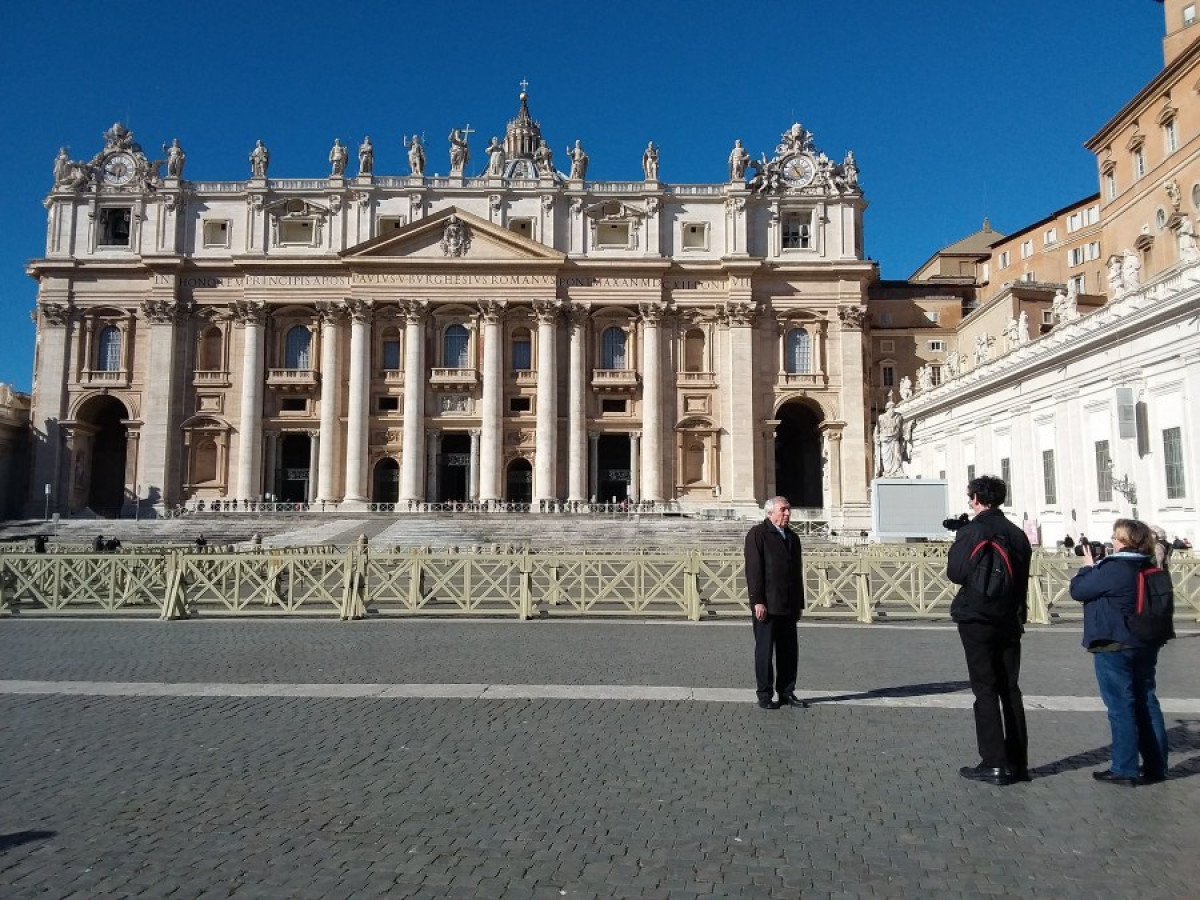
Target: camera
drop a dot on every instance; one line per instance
(1097, 549)
(955, 523)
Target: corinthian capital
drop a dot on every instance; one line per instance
(362, 311)
(163, 312)
(492, 311)
(547, 311)
(248, 312)
(330, 313)
(652, 313)
(852, 317)
(54, 313)
(738, 312)
(414, 311)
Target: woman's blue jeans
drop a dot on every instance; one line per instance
(1126, 680)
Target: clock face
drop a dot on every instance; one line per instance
(799, 170)
(119, 169)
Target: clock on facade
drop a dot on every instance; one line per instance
(799, 170)
(119, 169)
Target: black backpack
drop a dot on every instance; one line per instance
(1153, 617)
(990, 569)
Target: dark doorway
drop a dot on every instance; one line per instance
(613, 468)
(454, 468)
(291, 478)
(518, 485)
(386, 487)
(107, 490)
(798, 456)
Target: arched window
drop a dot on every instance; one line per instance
(693, 351)
(522, 352)
(799, 351)
(612, 349)
(454, 347)
(211, 355)
(108, 356)
(297, 348)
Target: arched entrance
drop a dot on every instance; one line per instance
(518, 483)
(106, 488)
(385, 486)
(613, 468)
(295, 461)
(798, 456)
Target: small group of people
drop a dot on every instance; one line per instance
(100, 545)
(990, 627)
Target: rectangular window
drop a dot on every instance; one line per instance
(695, 236)
(971, 472)
(523, 227)
(114, 227)
(389, 404)
(216, 233)
(1076, 256)
(889, 376)
(932, 316)
(391, 356)
(1173, 463)
(1004, 260)
(1170, 137)
(612, 234)
(937, 346)
(935, 373)
(293, 404)
(520, 404)
(612, 405)
(1139, 163)
(1006, 475)
(1091, 215)
(1189, 15)
(1028, 276)
(1074, 221)
(1026, 249)
(388, 224)
(1049, 485)
(1078, 283)
(1104, 489)
(296, 232)
(797, 232)
(887, 346)
(1050, 237)
(1110, 185)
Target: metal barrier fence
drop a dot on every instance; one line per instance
(866, 586)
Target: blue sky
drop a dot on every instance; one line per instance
(954, 110)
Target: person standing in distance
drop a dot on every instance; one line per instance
(775, 583)
(990, 630)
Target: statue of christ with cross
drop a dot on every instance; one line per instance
(459, 154)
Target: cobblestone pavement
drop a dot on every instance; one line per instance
(333, 796)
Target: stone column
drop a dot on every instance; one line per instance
(49, 409)
(412, 459)
(652, 314)
(314, 456)
(544, 484)
(743, 429)
(594, 467)
(856, 497)
(252, 316)
(358, 408)
(473, 478)
(158, 470)
(577, 458)
(635, 478)
(492, 413)
(332, 315)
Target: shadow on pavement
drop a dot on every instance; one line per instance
(1183, 738)
(902, 690)
(17, 838)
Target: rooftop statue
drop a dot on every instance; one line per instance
(650, 162)
(460, 154)
(496, 158)
(739, 159)
(366, 157)
(337, 159)
(416, 155)
(175, 159)
(543, 159)
(579, 162)
(260, 160)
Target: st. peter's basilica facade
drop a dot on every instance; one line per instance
(524, 336)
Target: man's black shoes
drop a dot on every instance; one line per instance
(998, 775)
(768, 704)
(1108, 776)
(793, 700)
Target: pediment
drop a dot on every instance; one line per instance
(453, 235)
(614, 209)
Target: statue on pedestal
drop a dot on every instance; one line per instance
(496, 158)
(579, 162)
(1131, 271)
(175, 159)
(891, 451)
(366, 157)
(650, 162)
(260, 160)
(416, 155)
(460, 154)
(1188, 251)
(337, 159)
(739, 159)
(543, 159)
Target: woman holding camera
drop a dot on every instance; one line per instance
(1125, 664)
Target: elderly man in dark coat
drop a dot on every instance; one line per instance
(776, 587)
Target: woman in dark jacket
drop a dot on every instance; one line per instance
(1124, 664)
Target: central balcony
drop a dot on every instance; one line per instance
(615, 379)
(453, 379)
(292, 379)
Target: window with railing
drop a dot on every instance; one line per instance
(455, 344)
(108, 349)
(297, 353)
(799, 352)
(522, 350)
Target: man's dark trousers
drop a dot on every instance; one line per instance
(775, 637)
(994, 666)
